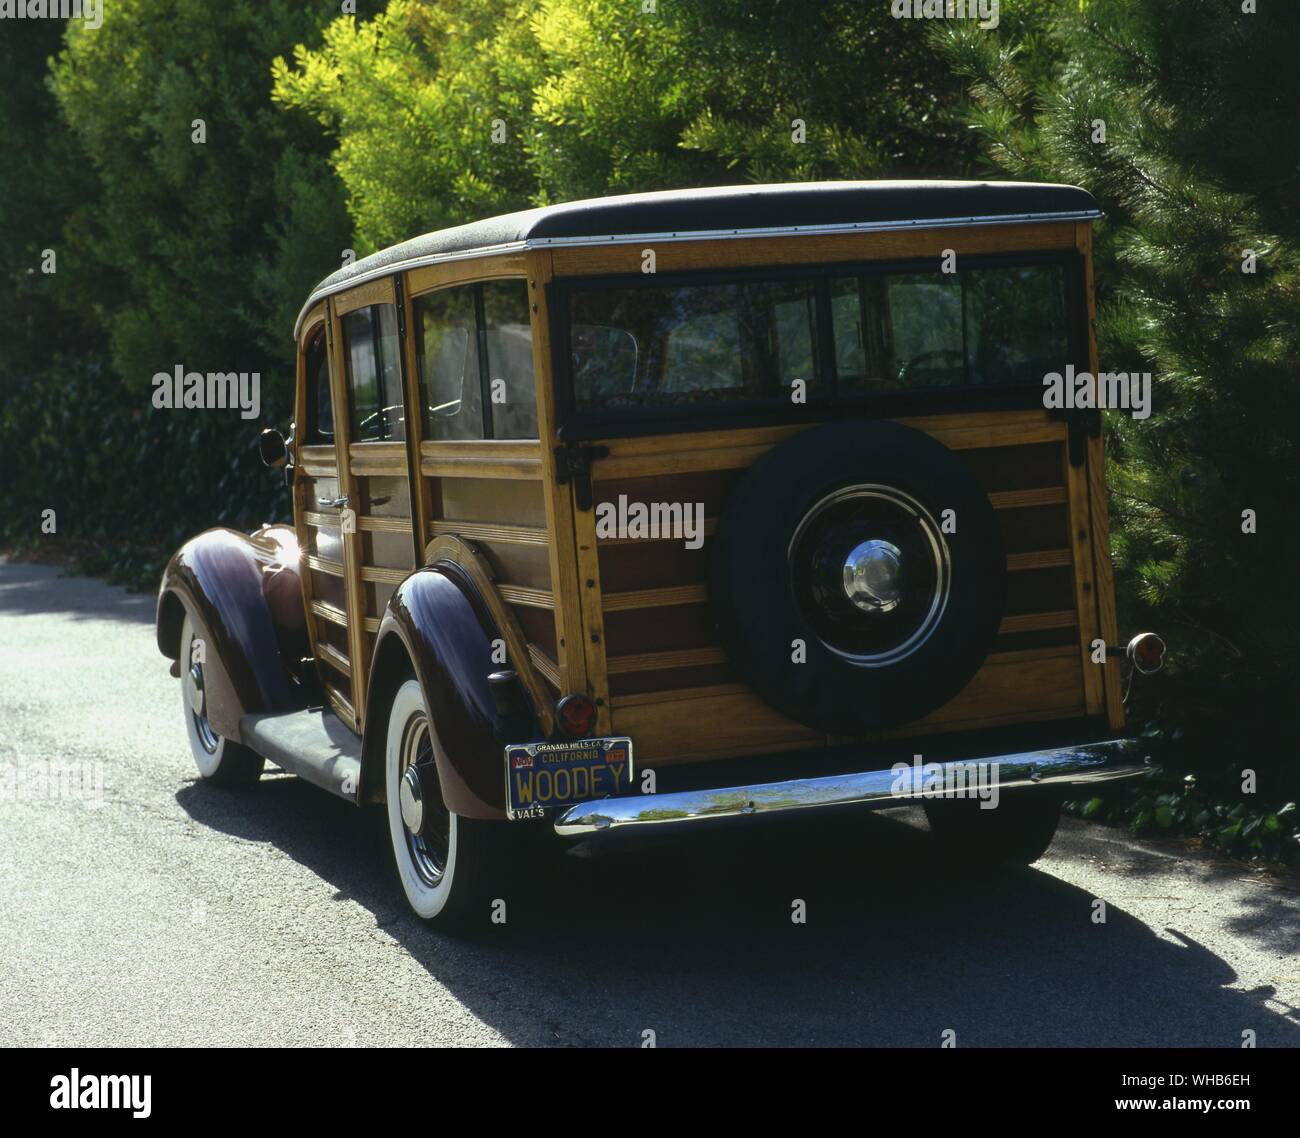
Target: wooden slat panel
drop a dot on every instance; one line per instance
(675, 695)
(550, 671)
(995, 434)
(737, 450)
(1009, 691)
(378, 459)
(316, 466)
(653, 598)
(334, 658)
(1018, 499)
(730, 719)
(679, 461)
(342, 705)
(330, 612)
(533, 598)
(382, 291)
(366, 525)
(385, 576)
(652, 661)
(525, 469)
(476, 458)
(708, 529)
(1032, 622)
(476, 567)
(485, 531)
(384, 525)
(466, 270)
(726, 724)
(321, 565)
(1044, 559)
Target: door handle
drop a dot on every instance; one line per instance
(336, 503)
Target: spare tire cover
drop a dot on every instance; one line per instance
(843, 590)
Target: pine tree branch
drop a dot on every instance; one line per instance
(1155, 75)
(1194, 522)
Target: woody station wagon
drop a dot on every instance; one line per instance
(652, 511)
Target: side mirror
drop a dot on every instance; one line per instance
(273, 449)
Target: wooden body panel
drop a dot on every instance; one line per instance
(660, 651)
(647, 601)
(627, 621)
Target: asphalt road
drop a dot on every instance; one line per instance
(169, 913)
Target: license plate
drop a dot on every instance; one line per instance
(542, 776)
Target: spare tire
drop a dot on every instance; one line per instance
(843, 590)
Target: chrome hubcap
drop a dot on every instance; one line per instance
(871, 572)
(196, 697)
(412, 800)
(196, 688)
(424, 817)
(873, 576)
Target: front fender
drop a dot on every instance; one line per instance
(436, 620)
(234, 586)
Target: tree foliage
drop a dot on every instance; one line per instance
(590, 97)
(169, 251)
(1198, 101)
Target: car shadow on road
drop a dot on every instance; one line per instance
(695, 939)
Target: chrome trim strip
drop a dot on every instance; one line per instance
(817, 230)
(1068, 766)
(688, 235)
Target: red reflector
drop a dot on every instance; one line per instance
(1147, 651)
(575, 715)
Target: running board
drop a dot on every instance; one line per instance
(314, 744)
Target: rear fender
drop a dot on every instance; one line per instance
(437, 624)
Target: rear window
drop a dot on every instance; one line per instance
(711, 343)
(830, 335)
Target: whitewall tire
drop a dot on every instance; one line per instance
(220, 761)
(452, 869)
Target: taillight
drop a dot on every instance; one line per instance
(1147, 651)
(575, 716)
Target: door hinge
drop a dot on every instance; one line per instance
(573, 463)
(1081, 423)
(401, 309)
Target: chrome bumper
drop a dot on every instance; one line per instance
(1068, 766)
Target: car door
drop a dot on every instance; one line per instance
(373, 502)
(317, 518)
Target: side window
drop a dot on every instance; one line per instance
(472, 339)
(509, 337)
(320, 403)
(371, 350)
(447, 346)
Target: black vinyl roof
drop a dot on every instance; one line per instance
(728, 210)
